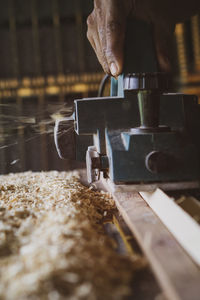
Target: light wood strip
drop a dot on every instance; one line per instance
(183, 227)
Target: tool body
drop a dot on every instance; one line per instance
(141, 133)
(130, 152)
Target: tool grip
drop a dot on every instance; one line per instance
(139, 48)
(139, 53)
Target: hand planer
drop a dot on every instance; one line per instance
(140, 135)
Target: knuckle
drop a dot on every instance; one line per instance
(90, 20)
(99, 12)
(101, 31)
(103, 61)
(109, 54)
(104, 51)
(97, 3)
(98, 7)
(105, 67)
(89, 35)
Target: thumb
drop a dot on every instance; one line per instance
(115, 35)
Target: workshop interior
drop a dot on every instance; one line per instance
(46, 63)
(134, 135)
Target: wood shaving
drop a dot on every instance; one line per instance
(52, 242)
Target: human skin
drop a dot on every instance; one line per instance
(107, 27)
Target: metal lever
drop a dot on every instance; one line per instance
(64, 138)
(149, 106)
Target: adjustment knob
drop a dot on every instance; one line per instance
(159, 162)
(146, 81)
(64, 138)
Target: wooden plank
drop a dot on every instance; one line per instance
(177, 274)
(144, 285)
(183, 227)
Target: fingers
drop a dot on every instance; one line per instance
(93, 37)
(114, 53)
(106, 32)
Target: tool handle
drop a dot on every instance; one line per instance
(139, 53)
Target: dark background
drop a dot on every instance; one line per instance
(45, 63)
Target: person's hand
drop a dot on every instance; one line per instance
(106, 32)
(107, 26)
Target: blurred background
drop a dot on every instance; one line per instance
(46, 62)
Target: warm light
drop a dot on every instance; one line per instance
(80, 88)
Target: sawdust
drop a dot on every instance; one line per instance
(52, 243)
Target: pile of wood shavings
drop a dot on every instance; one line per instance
(52, 243)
